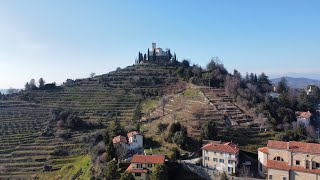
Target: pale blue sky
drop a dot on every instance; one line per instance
(62, 39)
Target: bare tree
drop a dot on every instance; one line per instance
(311, 132)
(163, 101)
(121, 151)
(245, 172)
(92, 75)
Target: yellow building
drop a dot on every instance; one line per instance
(289, 161)
(221, 156)
(141, 165)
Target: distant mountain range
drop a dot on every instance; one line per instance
(299, 83)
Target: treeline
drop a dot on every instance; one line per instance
(213, 75)
(31, 85)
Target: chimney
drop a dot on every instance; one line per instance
(288, 145)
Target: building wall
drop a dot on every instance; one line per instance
(262, 163)
(285, 155)
(143, 176)
(144, 166)
(277, 174)
(295, 175)
(137, 144)
(305, 160)
(229, 161)
(303, 121)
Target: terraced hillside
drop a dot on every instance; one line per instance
(109, 96)
(224, 104)
(197, 105)
(23, 151)
(104, 98)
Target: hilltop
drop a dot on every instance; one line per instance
(52, 128)
(298, 83)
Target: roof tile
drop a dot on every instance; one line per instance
(150, 159)
(221, 147)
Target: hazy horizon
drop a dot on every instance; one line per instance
(59, 39)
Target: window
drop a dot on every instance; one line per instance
(221, 160)
(137, 174)
(229, 169)
(284, 178)
(278, 158)
(229, 162)
(297, 162)
(206, 158)
(215, 153)
(149, 165)
(139, 165)
(215, 159)
(270, 177)
(206, 151)
(317, 165)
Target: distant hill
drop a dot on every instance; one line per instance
(298, 82)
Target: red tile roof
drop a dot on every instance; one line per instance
(284, 166)
(306, 115)
(221, 147)
(150, 159)
(278, 165)
(295, 146)
(130, 134)
(264, 149)
(118, 139)
(134, 170)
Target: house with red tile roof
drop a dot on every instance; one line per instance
(289, 160)
(141, 165)
(221, 156)
(134, 140)
(121, 140)
(303, 118)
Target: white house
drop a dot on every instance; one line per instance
(135, 140)
(221, 156)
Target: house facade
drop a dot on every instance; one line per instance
(142, 165)
(221, 156)
(135, 140)
(289, 160)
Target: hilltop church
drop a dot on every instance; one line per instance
(156, 56)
